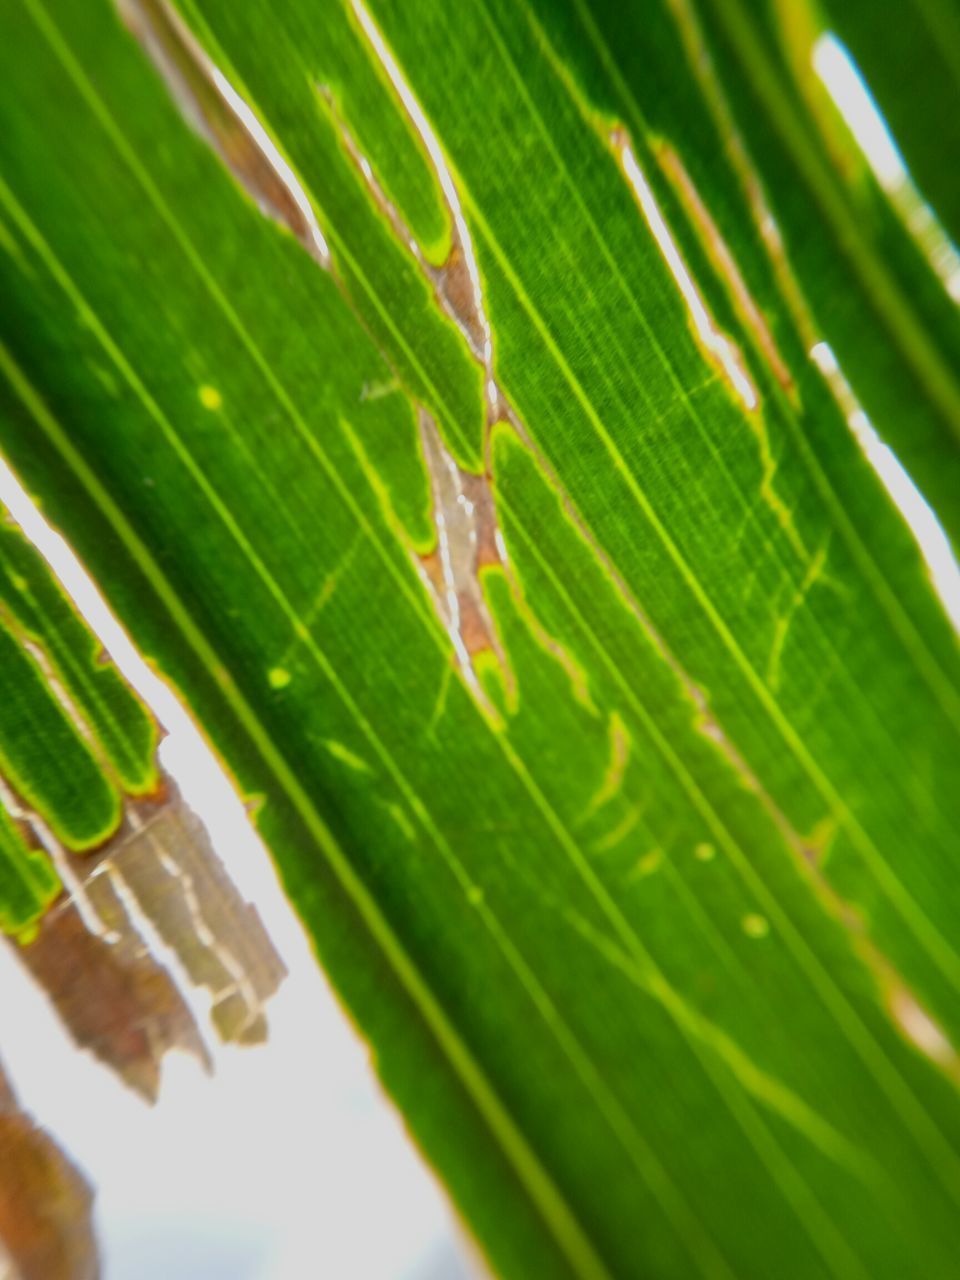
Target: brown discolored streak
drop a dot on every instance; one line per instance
(455, 285)
(150, 914)
(113, 996)
(220, 116)
(724, 262)
(465, 519)
(164, 858)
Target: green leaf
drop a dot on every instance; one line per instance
(28, 882)
(73, 737)
(601, 710)
(101, 704)
(45, 756)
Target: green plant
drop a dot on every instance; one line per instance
(494, 505)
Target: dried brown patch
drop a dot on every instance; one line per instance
(46, 1204)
